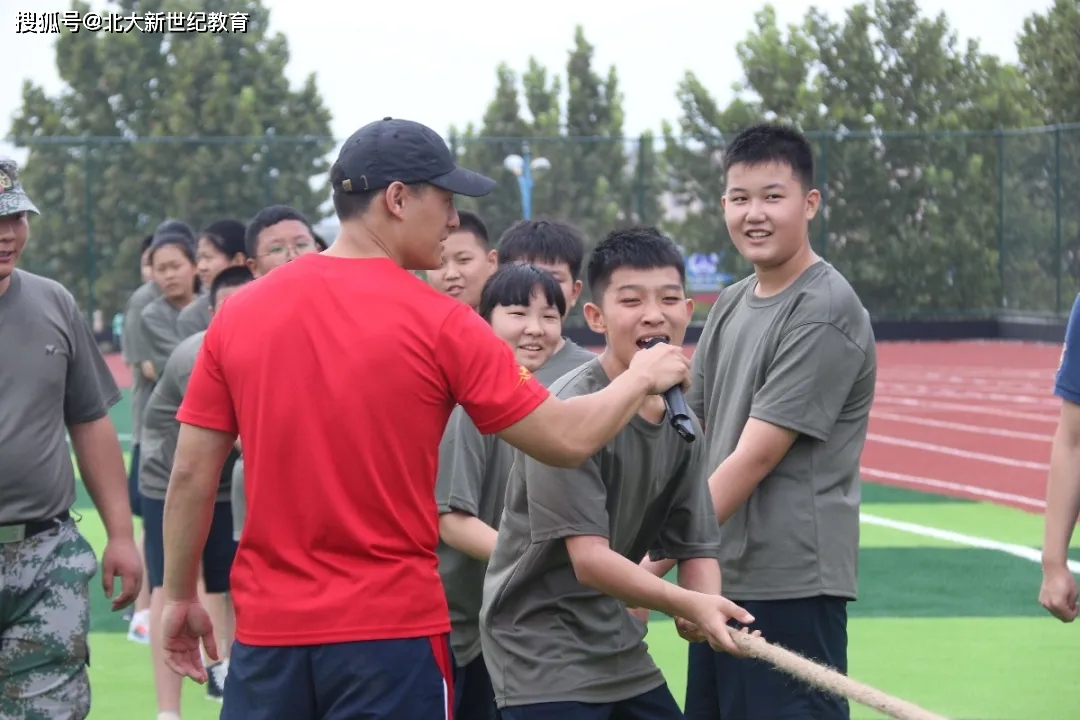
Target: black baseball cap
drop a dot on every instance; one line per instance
(393, 150)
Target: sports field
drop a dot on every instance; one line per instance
(955, 470)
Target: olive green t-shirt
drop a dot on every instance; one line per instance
(805, 360)
(546, 637)
(52, 376)
(195, 317)
(161, 429)
(133, 342)
(473, 469)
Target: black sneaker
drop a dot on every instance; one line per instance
(215, 680)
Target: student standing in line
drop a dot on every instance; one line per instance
(524, 306)
(784, 377)
(556, 635)
(276, 235)
(220, 245)
(139, 622)
(160, 431)
(176, 273)
(557, 247)
(468, 260)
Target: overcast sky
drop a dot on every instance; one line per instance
(435, 61)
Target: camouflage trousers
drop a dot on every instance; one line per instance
(44, 623)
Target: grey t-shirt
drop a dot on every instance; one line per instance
(545, 636)
(195, 317)
(570, 356)
(239, 501)
(471, 479)
(159, 332)
(160, 426)
(473, 469)
(803, 359)
(134, 346)
(52, 376)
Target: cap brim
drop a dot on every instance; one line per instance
(13, 202)
(464, 182)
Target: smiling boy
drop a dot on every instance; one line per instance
(468, 260)
(558, 248)
(524, 306)
(783, 382)
(555, 632)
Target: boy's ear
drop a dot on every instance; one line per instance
(574, 295)
(252, 267)
(493, 258)
(594, 316)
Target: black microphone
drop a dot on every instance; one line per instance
(678, 413)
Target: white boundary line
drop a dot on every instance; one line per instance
(973, 490)
(962, 407)
(928, 447)
(963, 427)
(1020, 551)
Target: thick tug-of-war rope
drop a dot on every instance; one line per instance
(829, 680)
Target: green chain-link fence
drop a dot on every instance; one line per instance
(961, 224)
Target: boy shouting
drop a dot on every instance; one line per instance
(556, 635)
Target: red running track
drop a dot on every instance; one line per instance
(968, 419)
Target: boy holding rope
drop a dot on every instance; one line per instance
(556, 636)
(784, 378)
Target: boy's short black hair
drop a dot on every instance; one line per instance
(546, 241)
(641, 248)
(232, 276)
(268, 217)
(146, 243)
(772, 142)
(470, 222)
(515, 284)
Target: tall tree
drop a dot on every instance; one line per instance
(890, 101)
(164, 114)
(597, 179)
(1048, 166)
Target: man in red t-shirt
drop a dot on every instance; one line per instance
(340, 611)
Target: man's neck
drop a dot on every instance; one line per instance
(358, 242)
(776, 279)
(560, 345)
(5, 283)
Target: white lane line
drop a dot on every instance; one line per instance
(982, 457)
(948, 486)
(962, 427)
(1020, 551)
(963, 407)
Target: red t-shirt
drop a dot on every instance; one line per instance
(340, 376)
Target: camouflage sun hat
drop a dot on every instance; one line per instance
(13, 198)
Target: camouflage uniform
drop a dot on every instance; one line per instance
(44, 592)
(13, 198)
(45, 619)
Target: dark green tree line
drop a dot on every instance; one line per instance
(597, 177)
